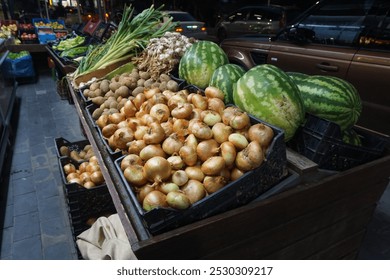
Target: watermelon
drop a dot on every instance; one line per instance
(297, 76)
(351, 137)
(331, 98)
(200, 61)
(268, 93)
(224, 77)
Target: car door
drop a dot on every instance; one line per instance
(237, 23)
(334, 28)
(370, 68)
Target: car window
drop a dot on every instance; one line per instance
(264, 15)
(377, 27)
(338, 22)
(238, 15)
(182, 17)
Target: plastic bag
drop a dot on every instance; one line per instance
(19, 67)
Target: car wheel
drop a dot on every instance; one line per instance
(221, 34)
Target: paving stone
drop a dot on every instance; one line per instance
(50, 208)
(26, 226)
(22, 186)
(47, 189)
(25, 203)
(42, 174)
(6, 243)
(59, 251)
(40, 161)
(22, 170)
(28, 249)
(9, 216)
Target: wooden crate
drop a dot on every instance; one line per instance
(324, 217)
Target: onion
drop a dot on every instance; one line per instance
(102, 121)
(160, 112)
(228, 153)
(239, 120)
(157, 169)
(121, 137)
(199, 101)
(72, 176)
(159, 98)
(89, 185)
(172, 144)
(191, 141)
(179, 177)
(238, 140)
(140, 132)
(196, 114)
(129, 160)
(175, 100)
(129, 109)
(97, 178)
(135, 146)
(214, 183)
(143, 191)
(180, 126)
(214, 92)
(138, 100)
(176, 162)
(182, 111)
(261, 133)
(251, 157)
(200, 130)
(153, 200)
(69, 168)
(221, 132)
(216, 105)
(109, 130)
(150, 151)
(207, 149)
(167, 187)
(227, 115)
(155, 134)
(134, 175)
(116, 118)
(146, 119)
(133, 123)
(210, 117)
(92, 167)
(188, 154)
(168, 127)
(236, 173)
(76, 180)
(149, 93)
(213, 165)
(178, 200)
(82, 166)
(194, 190)
(194, 173)
(85, 176)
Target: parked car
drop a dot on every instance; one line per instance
(262, 19)
(188, 25)
(343, 38)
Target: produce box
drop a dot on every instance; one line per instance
(46, 37)
(321, 141)
(72, 146)
(239, 192)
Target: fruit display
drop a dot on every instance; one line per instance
(7, 31)
(224, 78)
(331, 98)
(200, 61)
(268, 93)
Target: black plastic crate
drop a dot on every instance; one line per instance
(90, 109)
(72, 146)
(239, 192)
(321, 141)
(84, 99)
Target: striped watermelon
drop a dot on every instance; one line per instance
(351, 137)
(331, 98)
(269, 94)
(297, 76)
(224, 77)
(200, 61)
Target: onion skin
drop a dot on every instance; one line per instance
(179, 177)
(157, 169)
(216, 105)
(129, 109)
(182, 111)
(176, 162)
(134, 175)
(261, 133)
(178, 200)
(135, 146)
(238, 140)
(116, 118)
(153, 200)
(228, 153)
(200, 130)
(221, 132)
(69, 168)
(214, 183)
(188, 154)
(194, 173)
(97, 178)
(214, 92)
(207, 148)
(160, 112)
(250, 158)
(199, 101)
(194, 190)
(213, 165)
(109, 130)
(129, 160)
(121, 137)
(210, 117)
(143, 191)
(155, 134)
(151, 151)
(239, 120)
(172, 144)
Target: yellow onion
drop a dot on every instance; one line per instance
(149, 93)
(92, 167)
(72, 176)
(85, 176)
(261, 133)
(140, 131)
(238, 140)
(129, 109)
(216, 105)
(180, 126)
(69, 168)
(121, 137)
(150, 151)
(129, 160)
(213, 165)
(158, 98)
(166, 187)
(199, 101)
(194, 190)
(116, 118)
(76, 180)
(228, 153)
(221, 132)
(214, 183)
(251, 157)
(134, 175)
(155, 134)
(227, 115)
(89, 185)
(175, 100)
(176, 162)
(179, 177)
(239, 120)
(82, 166)
(153, 200)
(188, 154)
(109, 130)
(200, 130)
(102, 121)
(157, 169)
(210, 117)
(178, 200)
(196, 114)
(194, 173)
(214, 92)
(97, 178)
(138, 100)
(143, 191)
(160, 112)
(135, 146)
(182, 111)
(168, 127)
(236, 173)
(207, 149)
(172, 144)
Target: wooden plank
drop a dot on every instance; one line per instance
(205, 237)
(299, 163)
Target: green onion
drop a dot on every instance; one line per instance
(131, 38)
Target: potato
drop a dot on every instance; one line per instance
(97, 113)
(172, 85)
(94, 85)
(114, 86)
(122, 91)
(99, 100)
(164, 78)
(144, 75)
(64, 151)
(138, 90)
(104, 86)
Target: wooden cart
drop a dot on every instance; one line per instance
(324, 216)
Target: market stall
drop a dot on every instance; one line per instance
(255, 192)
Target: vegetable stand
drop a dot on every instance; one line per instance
(321, 215)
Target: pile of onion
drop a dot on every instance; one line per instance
(182, 146)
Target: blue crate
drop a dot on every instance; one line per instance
(46, 37)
